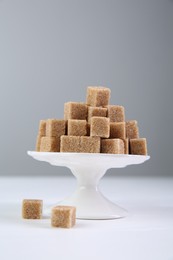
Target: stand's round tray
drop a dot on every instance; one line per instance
(88, 169)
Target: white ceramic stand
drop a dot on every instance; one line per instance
(88, 170)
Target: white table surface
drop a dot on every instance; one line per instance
(147, 232)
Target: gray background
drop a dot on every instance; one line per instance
(50, 51)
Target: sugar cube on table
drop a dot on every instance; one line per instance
(138, 146)
(77, 127)
(112, 146)
(63, 216)
(32, 209)
(75, 110)
(100, 126)
(98, 96)
(132, 130)
(50, 144)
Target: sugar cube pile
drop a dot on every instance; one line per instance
(94, 126)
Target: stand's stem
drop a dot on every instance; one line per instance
(88, 176)
(87, 198)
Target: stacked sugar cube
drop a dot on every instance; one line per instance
(91, 127)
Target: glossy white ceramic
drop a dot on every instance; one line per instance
(89, 169)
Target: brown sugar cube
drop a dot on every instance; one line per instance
(126, 145)
(63, 216)
(90, 144)
(116, 113)
(75, 110)
(138, 146)
(77, 127)
(42, 128)
(100, 126)
(38, 142)
(96, 111)
(55, 127)
(70, 144)
(132, 130)
(117, 130)
(50, 144)
(32, 209)
(98, 96)
(112, 146)
(41, 132)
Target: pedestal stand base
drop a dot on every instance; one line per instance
(91, 204)
(88, 170)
